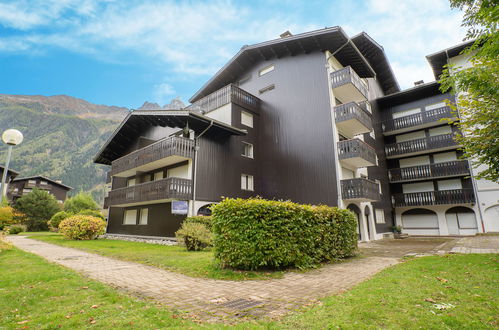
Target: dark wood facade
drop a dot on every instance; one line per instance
(21, 186)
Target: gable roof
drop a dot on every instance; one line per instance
(333, 39)
(376, 56)
(132, 125)
(438, 59)
(43, 178)
(12, 172)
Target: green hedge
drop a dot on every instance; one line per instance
(205, 220)
(256, 233)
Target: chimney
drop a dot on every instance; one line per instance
(286, 34)
(419, 82)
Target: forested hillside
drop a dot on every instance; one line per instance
(61, 136)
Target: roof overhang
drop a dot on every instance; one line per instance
(43, 178)
(333, 39)
(410, 94)
(138, 120)
(13, 173)
(376, 56)
(439, 59)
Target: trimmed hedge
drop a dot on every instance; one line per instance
(257, 233)
(82, 227)
(205, 220)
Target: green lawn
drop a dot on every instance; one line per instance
(173, 258)
(403, 296)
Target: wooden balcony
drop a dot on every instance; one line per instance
(421, 146)
(425, 172)
(153, 192)
(356, 153)
(162, 153)
(360, 190)
(352, 119)
(108, 177)
(426, 118)
(226, 95)
(439, 197)
(348, 86)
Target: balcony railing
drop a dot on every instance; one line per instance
(344, 77)
(422, 172)
(439, 197)
(418, 119)
(360, 189)
(170, 188)
(226, 95)
(351, 117)
(356, 153)
(171, 146)
(444, 141)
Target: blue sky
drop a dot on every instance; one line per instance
(127, 52)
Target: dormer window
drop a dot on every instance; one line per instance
(266, 70)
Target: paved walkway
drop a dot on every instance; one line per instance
(477, 244)
(213, 300)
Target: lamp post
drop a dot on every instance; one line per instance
(11, 137)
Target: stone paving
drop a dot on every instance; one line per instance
(216, 300)
(213, 300)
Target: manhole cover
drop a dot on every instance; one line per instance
(241, 304)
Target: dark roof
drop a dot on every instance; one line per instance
(411, 94)
(333, 39)
(13, 173)
(439, 59)
(43, 178)
(131, 127)
(376, 56)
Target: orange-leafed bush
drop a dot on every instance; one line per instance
(82, 227)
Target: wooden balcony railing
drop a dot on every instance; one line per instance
(360, 189)
(420, 145)
(348, 75)
(353, 110)
(226, 95)
(171, 146)
(106, 203)
(421, 172)
(422, 118)
(170, 188)
(439, 197)
(356, 148)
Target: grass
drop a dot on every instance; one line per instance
(37, 294)
(403, 296)
(173, 258)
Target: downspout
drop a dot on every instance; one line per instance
(196, 148)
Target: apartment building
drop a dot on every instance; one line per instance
(314, 118)
(22, 186)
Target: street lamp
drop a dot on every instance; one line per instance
(11, 137)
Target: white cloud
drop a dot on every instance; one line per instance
(163, 92)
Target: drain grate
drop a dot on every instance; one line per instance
(241, 304)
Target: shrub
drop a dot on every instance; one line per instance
(194, 235)
(92, 213)
(81, 201)
(205, 220)
(35, 209)
(6, 216)
(82, 227)
(56, 220)
(16, 229)
(257, 233)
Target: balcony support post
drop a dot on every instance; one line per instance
(196, 149)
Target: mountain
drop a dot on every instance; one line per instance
(175, 104)
(62, 134)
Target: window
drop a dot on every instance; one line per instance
(379, 186)
(450, 184)
(440, 130)
(44, 183)
(266, 70)
(247, 150)
(266, 89)
(404, 113)
(246, 119)
(247, 182)
(146, 178)
(380, 215)
(130, 217)
(130, 182)
(435, 106)
(26, 191)
(144, 215)
(158, 175)
(444, 157)
(31, 181)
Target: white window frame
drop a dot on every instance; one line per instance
(133, 211)
(380, 215)
(144, 213)
(247, 182)
(266, 70)
(31, 181)
(250, 148)
(247, 119)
